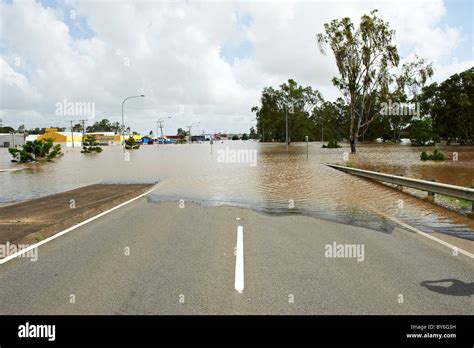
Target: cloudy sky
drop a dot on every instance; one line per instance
(196, 61)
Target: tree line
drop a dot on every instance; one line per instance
(379, 98)
(99, 126)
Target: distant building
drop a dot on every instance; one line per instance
(147, 140)
(165, 140)
(106, 138)
(61, 137)
(68, 138)
(173, 138)
(200, 137)
(11, 140)
(31, 137)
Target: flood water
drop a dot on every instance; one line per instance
(280, 182)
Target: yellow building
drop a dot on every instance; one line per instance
(103, 138)
(61, 137)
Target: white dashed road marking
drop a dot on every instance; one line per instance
(239, 261)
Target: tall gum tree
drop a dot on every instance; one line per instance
(364, 57)
(290, 99)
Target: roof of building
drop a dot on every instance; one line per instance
(76, 134)
(101, 133)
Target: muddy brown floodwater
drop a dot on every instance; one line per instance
(280, 182)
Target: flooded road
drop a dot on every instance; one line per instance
(279, 182)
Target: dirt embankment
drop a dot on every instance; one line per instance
(28, 222)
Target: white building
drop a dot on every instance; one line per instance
(11, 140)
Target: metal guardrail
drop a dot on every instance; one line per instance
(424, 185)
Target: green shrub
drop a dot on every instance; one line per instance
(421, 132)
(36, 151)
(435, 156)
(131, 144)
(332, 144)
(90, 145)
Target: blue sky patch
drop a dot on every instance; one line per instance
(78, 26)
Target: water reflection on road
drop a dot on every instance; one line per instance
(281, 182)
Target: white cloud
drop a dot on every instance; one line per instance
(172, 53)
(16, 91)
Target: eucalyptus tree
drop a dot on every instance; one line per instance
(450, 104)
(364, 56)
(367, 59)
(292, 100)
(408, 85)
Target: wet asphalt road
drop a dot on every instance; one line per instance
(158, 258)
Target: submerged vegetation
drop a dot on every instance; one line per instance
(91, 145)
(435, 156)
(36, 151)
(131, 144)
(332, 144)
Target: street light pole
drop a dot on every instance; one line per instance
(123, 123)
(307, 149)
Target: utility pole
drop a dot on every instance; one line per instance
(83, 130)
(160, 121)
(72, 135)
(189, 127)
(157, 139)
